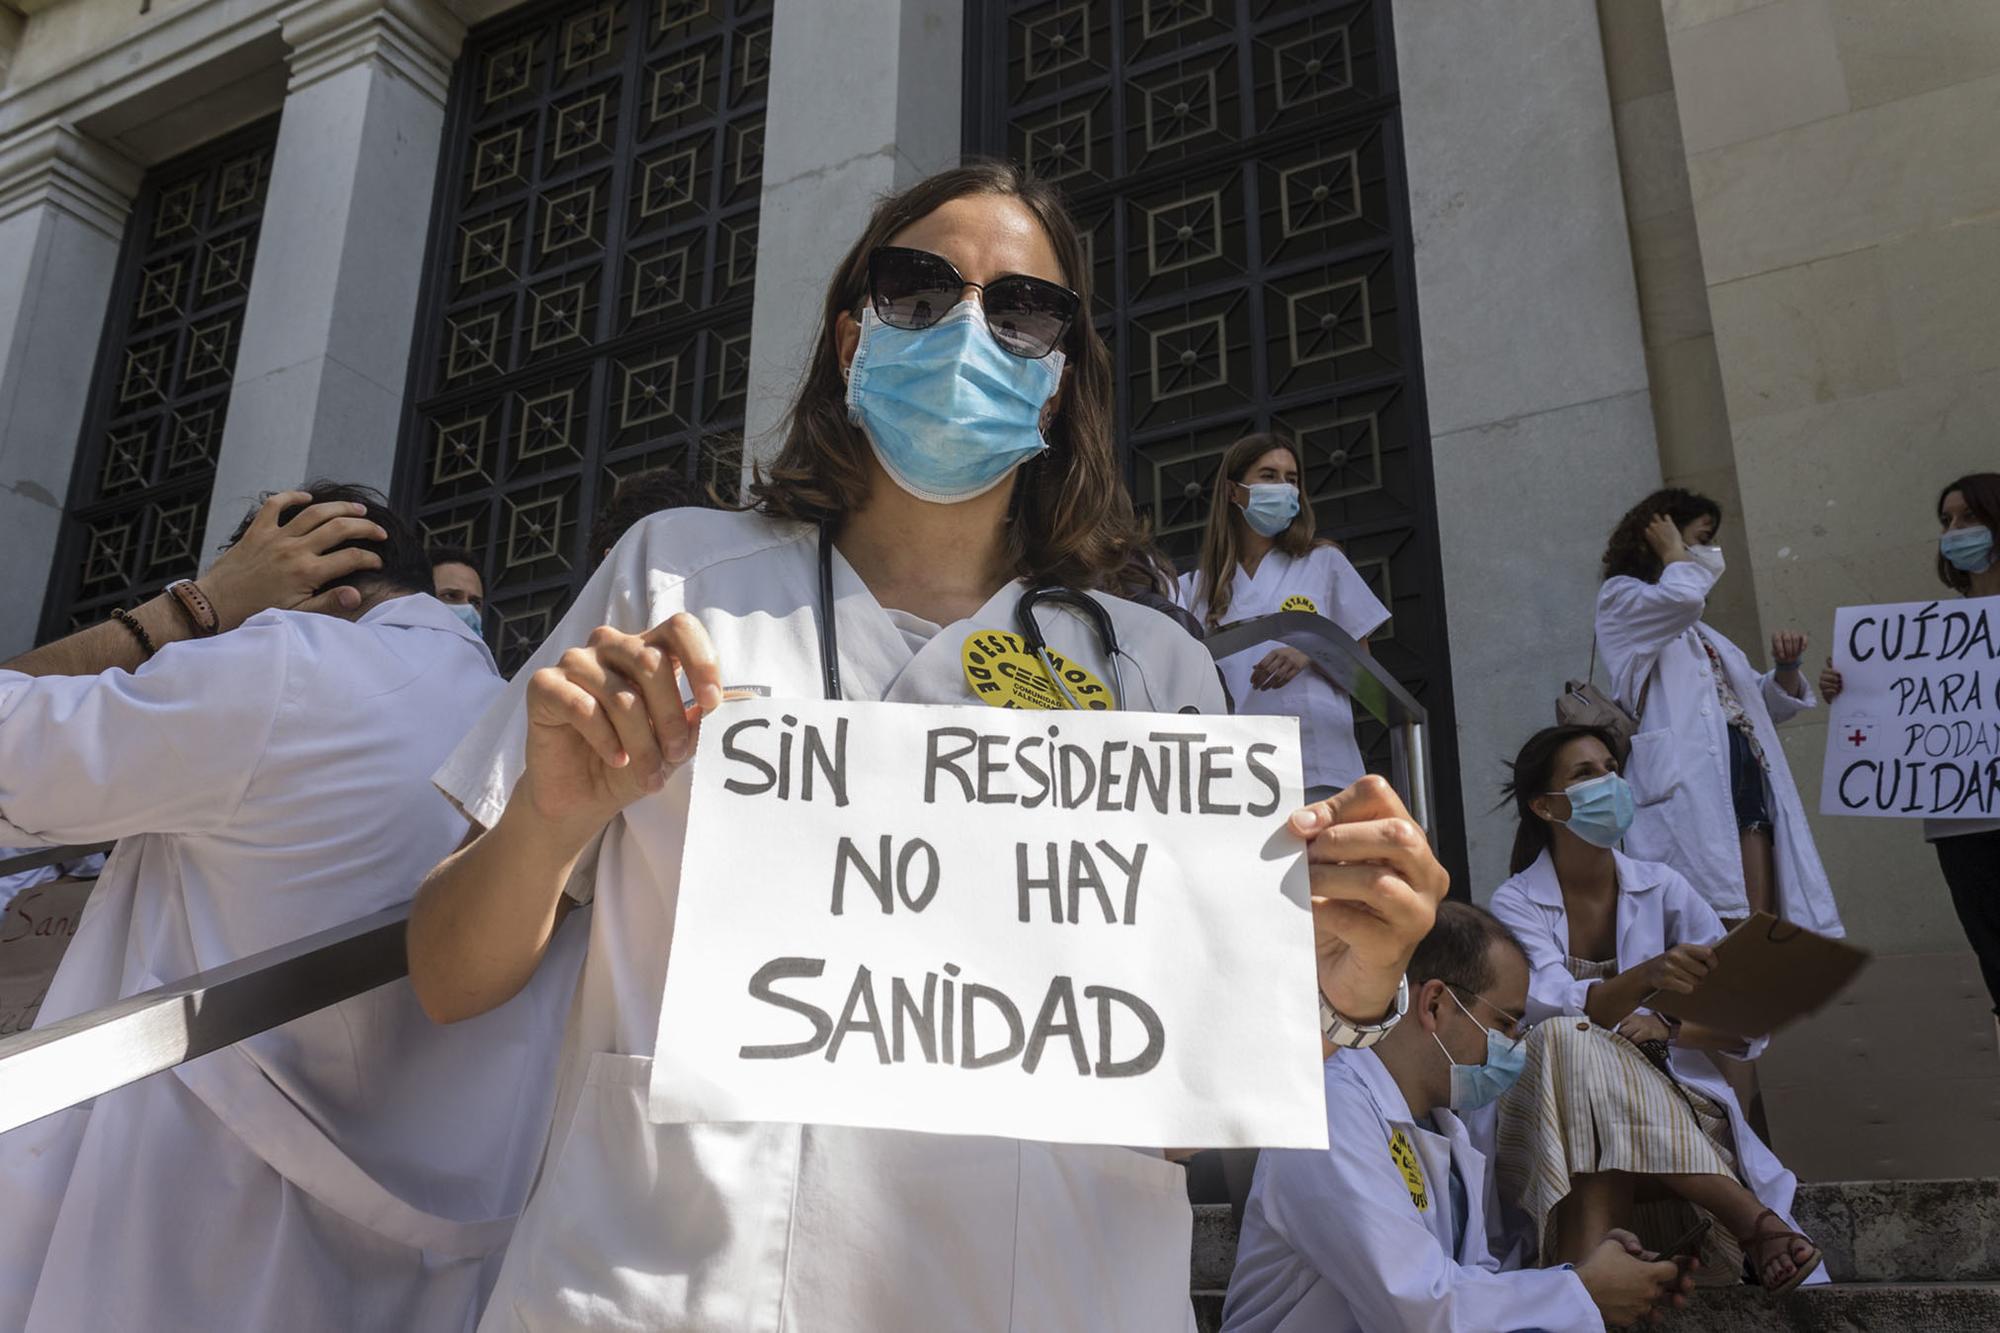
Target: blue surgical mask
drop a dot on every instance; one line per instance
(948, 411)
(1970, 550)
(469, 613)
(1273, 505)
(1600, 809)
(1474, 1086)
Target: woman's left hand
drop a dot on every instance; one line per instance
(1375, 889)
(1641, 1028)
(1279, 666)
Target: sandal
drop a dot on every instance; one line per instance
(1759, 1237)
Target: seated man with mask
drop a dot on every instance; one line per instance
(1387, 1229)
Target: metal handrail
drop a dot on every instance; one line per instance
(48, 856)
(69, 1062)
(1351, 667)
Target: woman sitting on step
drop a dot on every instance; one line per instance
(1622, 1117)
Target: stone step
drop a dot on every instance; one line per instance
(1893, 1231)
(1903, 1230)
(1860, 1307)
(1857, 1307)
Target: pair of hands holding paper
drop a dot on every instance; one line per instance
(606, 723)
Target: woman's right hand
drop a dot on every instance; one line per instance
(606, 723)
(1664, 536)
(1678, 969)
(1830, 683)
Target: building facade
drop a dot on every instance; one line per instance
(1500, 267)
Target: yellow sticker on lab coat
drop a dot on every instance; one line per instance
(1298, 601)
(1405, 1158)
(1003, 673)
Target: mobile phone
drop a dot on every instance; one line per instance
(1688, 1248)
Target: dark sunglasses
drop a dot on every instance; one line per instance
(912, 290)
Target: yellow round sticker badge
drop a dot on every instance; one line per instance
(1405, 1158)
(1003, 673)
(1298, 601)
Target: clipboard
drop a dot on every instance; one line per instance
(1768, 973)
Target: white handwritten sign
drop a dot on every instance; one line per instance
(1916, 729)
(36, 927)
(1072, 927)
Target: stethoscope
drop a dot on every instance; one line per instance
(1024, 616)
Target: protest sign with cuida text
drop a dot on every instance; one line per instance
(1071, 927)
(1915, 732)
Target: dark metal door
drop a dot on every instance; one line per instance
(587, 289)
(1238, 171)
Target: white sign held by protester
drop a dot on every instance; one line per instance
(1070, 927)
(1915, 732)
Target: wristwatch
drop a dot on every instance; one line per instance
(1338, 1031)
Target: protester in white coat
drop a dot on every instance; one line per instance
(1716, 797)
(1611, 941)
(930, 529)
(1258, 557)
(358, 1168)
(1968, 850)
(1392, 1228)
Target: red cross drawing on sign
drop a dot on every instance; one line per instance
(1857, 736)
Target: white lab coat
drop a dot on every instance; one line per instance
(1657, 909)
(358, 1168)
(777, 1228)
(1339, 1241)
(1323, 582)
(1679, 767)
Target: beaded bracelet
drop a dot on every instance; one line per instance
(131, 622)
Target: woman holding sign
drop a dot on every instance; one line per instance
(1716, 797)
(1627, 1104)
(948, 462)
(1258, 556)
(1968, 850)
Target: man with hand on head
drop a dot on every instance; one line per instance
(266, 772)
(1387, 1228)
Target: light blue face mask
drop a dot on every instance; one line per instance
(1600, 809)
(949, 412)
(469, 613)
(1969, 550)
(1474, 1086)
(1273, 505)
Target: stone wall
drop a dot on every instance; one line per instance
(1534, 365)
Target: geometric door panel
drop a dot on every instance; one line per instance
(1237, 168)
(588, 284)
(139, 489)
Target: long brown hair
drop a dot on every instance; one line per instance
(1219, 544)
(1629, 553)
(1982, 496)
(1069, 516)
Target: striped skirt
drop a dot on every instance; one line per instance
(1590, 1101)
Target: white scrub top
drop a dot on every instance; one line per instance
(358, 1168)
(1657, 909)
(772, 1228)
(1322, 582)
(1365, 1236)
(1651, 635)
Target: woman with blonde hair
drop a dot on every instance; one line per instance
(1259, 556)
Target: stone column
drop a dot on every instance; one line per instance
(1534, 366)
(858, 108)
(326, 338)
(63, 204)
